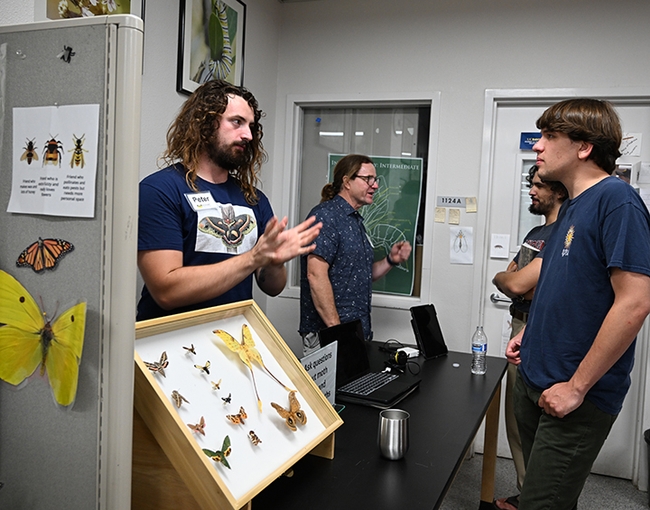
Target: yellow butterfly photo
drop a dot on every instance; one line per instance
(28, 340)
(247, 353)
(294, 415)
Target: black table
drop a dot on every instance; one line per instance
(446, 412)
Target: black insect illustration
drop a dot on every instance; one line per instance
(53, 151)
(78, 151)
(30, 152)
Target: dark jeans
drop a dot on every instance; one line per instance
(558, 452)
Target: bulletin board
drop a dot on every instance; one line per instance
(54, 455)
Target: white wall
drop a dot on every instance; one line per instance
(460, 48)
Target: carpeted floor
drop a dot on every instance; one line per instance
(600, 492)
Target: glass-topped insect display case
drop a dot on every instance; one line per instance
(227, 402)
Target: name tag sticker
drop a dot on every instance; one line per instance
(201, 201)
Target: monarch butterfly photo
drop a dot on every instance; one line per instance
(44, 254)
(27, 339)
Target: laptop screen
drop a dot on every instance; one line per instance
(352, 358)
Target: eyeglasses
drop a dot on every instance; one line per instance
(370, 179)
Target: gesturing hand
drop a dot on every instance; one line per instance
(278, 245)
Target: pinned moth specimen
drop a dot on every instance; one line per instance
(238, 418)
(216, 385)
(199, 428)
(226, 400)
(178, 398)
(220, 455)
(190, 349)
(294, 415)
(248, 354)
(204, 368)
(158, 366)
(253, 437)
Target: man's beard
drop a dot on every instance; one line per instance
(540, 209)
(228, 157)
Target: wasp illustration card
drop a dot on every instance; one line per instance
(55, 160)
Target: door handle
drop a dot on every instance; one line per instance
(496, 298)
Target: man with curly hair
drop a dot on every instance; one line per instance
(204, 227)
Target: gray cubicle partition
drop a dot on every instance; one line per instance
(78, 457)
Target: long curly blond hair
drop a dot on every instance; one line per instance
(194, 127)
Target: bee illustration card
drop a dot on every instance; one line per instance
(55, 156)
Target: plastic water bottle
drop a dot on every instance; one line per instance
(479, 351)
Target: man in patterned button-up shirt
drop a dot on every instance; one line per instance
(336, 278)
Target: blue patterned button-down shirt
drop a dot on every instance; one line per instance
(345, 246)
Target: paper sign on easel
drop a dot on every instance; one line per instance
(321, 366)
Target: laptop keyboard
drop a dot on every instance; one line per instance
(368, 383)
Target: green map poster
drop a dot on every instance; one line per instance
(392, 216)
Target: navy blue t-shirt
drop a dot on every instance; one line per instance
(227, 226)
(344, 244)
(606, 226)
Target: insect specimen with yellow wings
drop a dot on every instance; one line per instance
(248, 354)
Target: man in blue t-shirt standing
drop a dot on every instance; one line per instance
(576, 352)
(204, 228)
(518, 282)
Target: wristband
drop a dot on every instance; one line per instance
(390, 262)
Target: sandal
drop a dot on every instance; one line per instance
(511, 503)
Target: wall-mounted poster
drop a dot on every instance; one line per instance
(392, 216)
(54, 160)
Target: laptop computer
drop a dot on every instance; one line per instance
(428, 334)
(353, 364)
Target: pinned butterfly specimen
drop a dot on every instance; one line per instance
(190, 349)
(294, 415)
(253, 437)
(216, 385)
(220, 455)
(44, 254)
(158, 366)
(226, 400)
(204, 368)
(199, 427)
(178, 398)
(247, 353)
(29, 339)
(239, 417)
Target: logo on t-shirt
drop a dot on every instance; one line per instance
(568, 239)
(227, 229)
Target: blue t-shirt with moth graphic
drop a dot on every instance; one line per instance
(226, 227)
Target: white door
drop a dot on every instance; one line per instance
(504, 197)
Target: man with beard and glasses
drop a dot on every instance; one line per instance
(204, 227)
(336, 279)
(518, 282)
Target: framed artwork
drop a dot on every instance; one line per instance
(227, 401)
(211, 43)
(63, 9)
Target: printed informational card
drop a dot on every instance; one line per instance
(54, 160)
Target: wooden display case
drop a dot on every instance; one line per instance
(226, 390)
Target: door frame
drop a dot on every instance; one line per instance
(495, 99)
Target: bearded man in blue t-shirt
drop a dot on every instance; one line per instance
(577, 350)
(204, 227)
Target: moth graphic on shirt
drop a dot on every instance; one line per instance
(231, 228)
